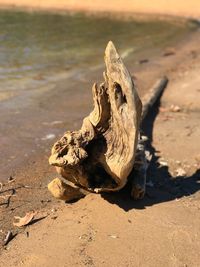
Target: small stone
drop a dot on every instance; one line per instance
(144, 138)
(49, 137)
(113, 236)
(175, 108)
(180, 172)
(163, 163)
(53, 210)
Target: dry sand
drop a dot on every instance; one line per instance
(112, 229)
(171, 7)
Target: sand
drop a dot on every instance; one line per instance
(178, 8)
(112, 229)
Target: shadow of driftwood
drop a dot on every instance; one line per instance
(37, 220)
(165, 187)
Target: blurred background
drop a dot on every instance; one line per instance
(175, 7)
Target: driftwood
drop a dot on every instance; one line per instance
(102, 156)
(152, 96)
(143, 157)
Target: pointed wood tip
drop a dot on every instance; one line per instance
(111, 52)
(110, 46)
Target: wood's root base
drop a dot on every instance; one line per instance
(137, 192)
(63, 191)
(139, 172)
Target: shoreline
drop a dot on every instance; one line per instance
(118, 15)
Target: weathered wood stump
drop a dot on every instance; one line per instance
(101, 155)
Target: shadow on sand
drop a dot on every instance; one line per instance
(165, 187)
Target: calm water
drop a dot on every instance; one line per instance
(37, 48)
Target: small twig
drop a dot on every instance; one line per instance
(7, 203)
(11, 181)
(7, 238)
(7, 190)
(20, 187)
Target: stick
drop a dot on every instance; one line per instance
(139, 172)
(8, 238)
(152, 96)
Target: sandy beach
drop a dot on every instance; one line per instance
(110, 229)
(113, 230)
(162, 7)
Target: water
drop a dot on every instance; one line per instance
(37, 48)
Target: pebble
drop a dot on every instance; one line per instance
(52, 122)
(175, 108)
(113, 236)
(49, 137)
(163, 163)
(180, 172)
(144, 138)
